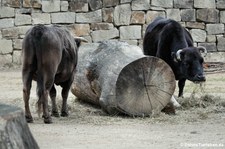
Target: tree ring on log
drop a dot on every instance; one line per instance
(144, 87)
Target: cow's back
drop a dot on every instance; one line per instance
(152, 35)
(50, 50)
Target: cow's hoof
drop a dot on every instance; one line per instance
(47, 120)
(55, 113)
(64, 114)
(29, 119)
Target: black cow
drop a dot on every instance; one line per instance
(49, 57)
(168, 40)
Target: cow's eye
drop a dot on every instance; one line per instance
(186, 64)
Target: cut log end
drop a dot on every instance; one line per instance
(144, 87)
(14, 131)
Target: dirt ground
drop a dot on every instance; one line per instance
(200, 123)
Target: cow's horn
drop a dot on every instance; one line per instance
(178, 54)
(81, 39)
(203, 50)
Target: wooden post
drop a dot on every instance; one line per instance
(14, 130)
(119, 78)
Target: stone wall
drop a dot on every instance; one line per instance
(97, 20)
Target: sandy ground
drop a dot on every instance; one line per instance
(200, 123)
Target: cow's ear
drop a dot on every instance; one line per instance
(202, 49)
(173, 55)
(78, 42)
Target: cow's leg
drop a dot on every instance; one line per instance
(46, 115)
(44, 86)
(64, 110)
(53, 98)
(47, 87)
(27, 80)
(65, 91)
(181, 84)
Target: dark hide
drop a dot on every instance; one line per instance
(49, 57)
(163, 38)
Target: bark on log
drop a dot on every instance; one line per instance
(14, 131)
(119, 78)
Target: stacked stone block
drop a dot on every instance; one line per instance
(97, 20)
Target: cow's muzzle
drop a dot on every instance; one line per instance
(199, 78)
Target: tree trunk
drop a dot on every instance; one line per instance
(14, 131)
(119, 78)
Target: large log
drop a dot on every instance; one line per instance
(119, 78)
(14, 130)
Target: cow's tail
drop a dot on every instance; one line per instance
(37, 33)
